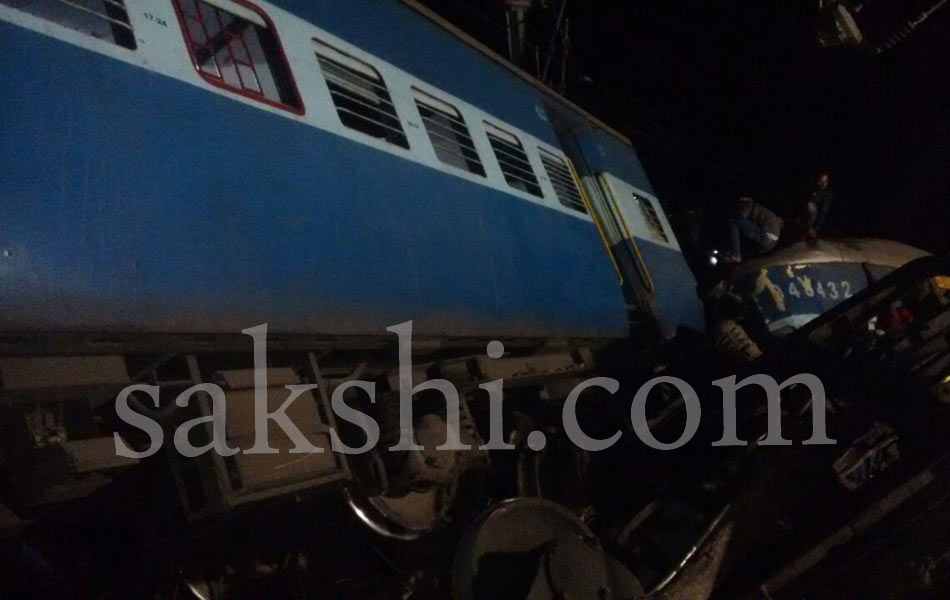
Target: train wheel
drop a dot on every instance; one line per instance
(407, 495)
(558, 472)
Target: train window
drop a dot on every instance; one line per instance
(103, 19)
(652, 218)
(562, 179)
(448, 133)
(513, 160)
(359, 93)
(235, 46)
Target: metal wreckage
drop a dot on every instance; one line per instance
(862, 517)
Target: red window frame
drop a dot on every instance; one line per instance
(221, 83)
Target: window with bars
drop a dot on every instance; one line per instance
(360, 95)
(654, 224)
(448, 133)
(234, 45)
(562, 179)
(104, 19)
(513, 160)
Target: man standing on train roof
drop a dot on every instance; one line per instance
(753, 225)
(819, 203)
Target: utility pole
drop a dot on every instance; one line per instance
(554, 40)
(515, 11)
(874, 25)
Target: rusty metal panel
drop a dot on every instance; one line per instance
(556, 363)
(54, 371)
(95, 454)
(240, 412)
(268, 470)
(244, 378)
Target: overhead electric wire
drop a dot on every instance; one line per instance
(672, 143)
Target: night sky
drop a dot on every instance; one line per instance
(733, 95)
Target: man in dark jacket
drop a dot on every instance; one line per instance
(819, 203)
(758, 227)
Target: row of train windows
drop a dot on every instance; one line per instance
(235, 46)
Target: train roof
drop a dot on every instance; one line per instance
(845, 250)
(527, 77)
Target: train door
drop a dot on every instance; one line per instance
(614, 227)
(659, 286)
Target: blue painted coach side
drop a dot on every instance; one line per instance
(605, 153)
(676, 301)
(133, 201)
(396, 32)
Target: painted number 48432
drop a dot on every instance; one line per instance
(833, 290)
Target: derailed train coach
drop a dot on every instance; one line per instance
(176, 171)
(768, 297)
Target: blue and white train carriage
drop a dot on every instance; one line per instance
(203, 166)
(175, 171)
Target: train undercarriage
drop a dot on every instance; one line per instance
(66, 416)
(81, 518)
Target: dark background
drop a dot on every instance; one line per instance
(726, 96)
